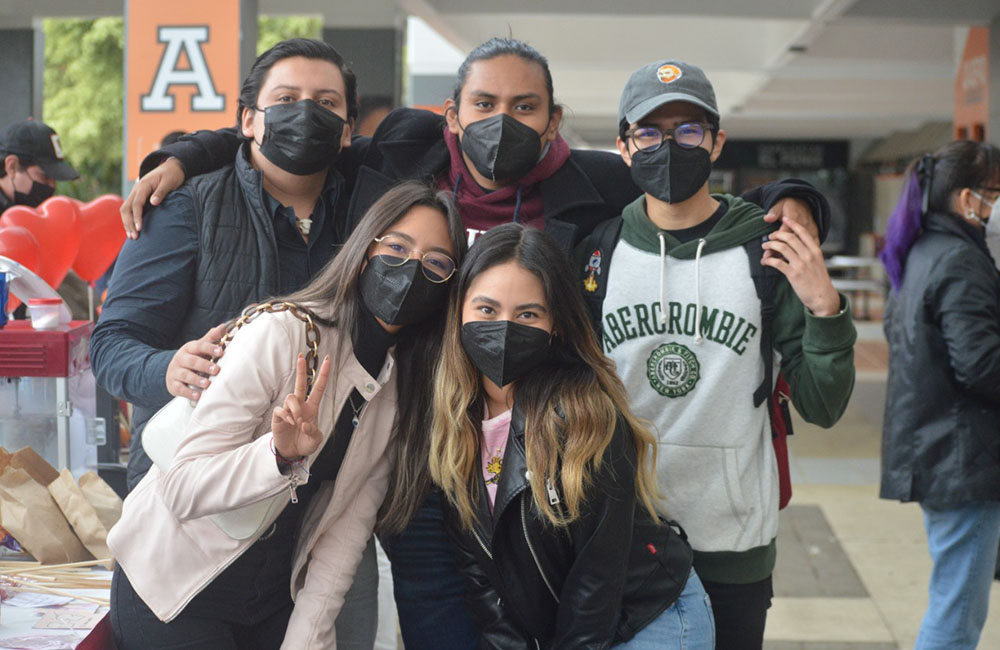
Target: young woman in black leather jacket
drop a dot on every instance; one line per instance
(547, 472)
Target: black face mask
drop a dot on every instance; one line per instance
(35, 196)
(503, 350)
(400, 295)
(501, 148)
(301, 138)
(671, 173)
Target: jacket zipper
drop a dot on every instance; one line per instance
(293, 483)
(482, 544)
(531, 548)
(553, 495)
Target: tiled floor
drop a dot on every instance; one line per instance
(852, 568)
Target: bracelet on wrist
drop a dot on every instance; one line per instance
(282, 459)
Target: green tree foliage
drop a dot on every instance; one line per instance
(83, 100)
(273, 29)
(84, 86)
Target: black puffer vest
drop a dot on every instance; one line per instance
(237, 253)
(237, 265)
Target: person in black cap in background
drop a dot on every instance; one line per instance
(32, 163)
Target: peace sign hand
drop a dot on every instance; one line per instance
(293, 424)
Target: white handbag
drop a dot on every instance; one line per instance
(165, 430)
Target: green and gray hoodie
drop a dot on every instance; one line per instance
(681, 321)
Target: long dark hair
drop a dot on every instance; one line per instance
(571, 402)
(930, 183)
(335, 288)
(308, 48)
(495, 47)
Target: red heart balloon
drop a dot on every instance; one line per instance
(56, 225)
(21, 246)
(101, 238)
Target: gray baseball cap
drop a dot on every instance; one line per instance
(659, 83)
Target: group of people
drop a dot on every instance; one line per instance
(519, 355)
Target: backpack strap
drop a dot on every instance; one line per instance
(765, 281)
(599, 246)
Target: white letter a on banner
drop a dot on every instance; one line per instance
(188, 40)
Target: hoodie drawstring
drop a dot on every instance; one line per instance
(517, 205)
(663, 273)
(697, 285)
(454, 191)
(698, 338)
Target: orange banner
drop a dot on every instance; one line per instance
(182, 70)
(972, 87)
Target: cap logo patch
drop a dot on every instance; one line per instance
(56, 146)
(668, 73)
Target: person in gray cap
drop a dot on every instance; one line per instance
(32, 163)
(678, 288)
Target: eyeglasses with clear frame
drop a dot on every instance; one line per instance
(397, 251)
(688, 135)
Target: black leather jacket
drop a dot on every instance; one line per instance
(595, 583)
(941, 435)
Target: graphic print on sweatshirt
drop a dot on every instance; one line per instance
(711, 466)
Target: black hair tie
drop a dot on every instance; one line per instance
(925, 177)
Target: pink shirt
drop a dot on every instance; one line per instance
(495, 432)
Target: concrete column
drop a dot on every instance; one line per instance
(21, 74)
(376, 56)
(993, 128)
(248, 35)
(432, 90)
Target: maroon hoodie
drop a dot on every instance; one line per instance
(521, 201)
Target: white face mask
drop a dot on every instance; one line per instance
(991, 229)
(991, 224)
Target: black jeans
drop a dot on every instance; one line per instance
(246, 607)
(740, 613)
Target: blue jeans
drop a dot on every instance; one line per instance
(429, 591)
(685, 625)
(962, 540)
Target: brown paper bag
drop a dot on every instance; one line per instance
(80, 515)
(29, 513)
(38, 468)
(99, 494)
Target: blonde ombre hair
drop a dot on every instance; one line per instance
(572, 402)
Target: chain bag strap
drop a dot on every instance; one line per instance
(304, 315)
(165, 430)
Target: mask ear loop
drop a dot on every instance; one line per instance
(256, 109)
(454, 109)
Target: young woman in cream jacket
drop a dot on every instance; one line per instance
(323, 458)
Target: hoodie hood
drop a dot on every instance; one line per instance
(742, 222)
